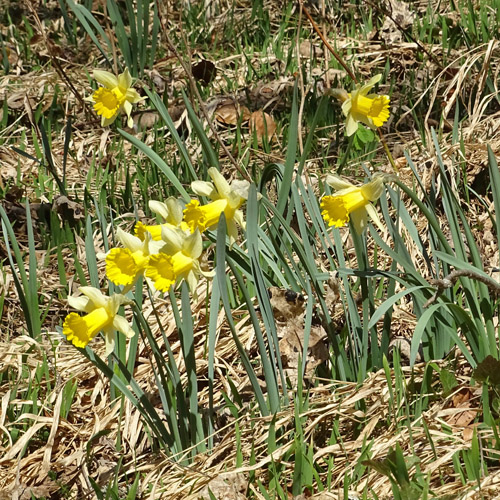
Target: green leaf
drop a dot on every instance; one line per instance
(448, 380)
(362, 136)
(488, 371)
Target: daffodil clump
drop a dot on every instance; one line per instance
(115, 96)
(164, 254)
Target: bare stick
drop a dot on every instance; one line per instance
(327, 45)
(450, 280)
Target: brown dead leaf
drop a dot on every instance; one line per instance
(232, 114)
(464, 417)
(68, 210)
(231, 486)
(204, 71)
(12, 56)
(146, 120)
(400, 12)
(263, 125)
(289, 309)
(17, 100)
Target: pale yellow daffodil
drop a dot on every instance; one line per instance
(177, 260)
(171, 212)
(125, 265)
(360, 106)
(352, 202)
(102, 315)
(116, 95)
(227, 198)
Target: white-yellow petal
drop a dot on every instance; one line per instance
(78, 303)
(133, 243)
(193, 245)
(372, 212)
(125, 80)
(108, 121)
(109, 337)
(95, 296)
(220, 182)
(351, 126)
(203, 188)
(359, 219)
(241, 188)
(123, 326)
(160, 208)
(105, 78)
(173, 238)
(338, 183)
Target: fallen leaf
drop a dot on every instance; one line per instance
(289, 310)
(17, 100)
(204, 71)
(263, 125)
(232, 114)
(232, 486)
(391, 32)
(68, 210)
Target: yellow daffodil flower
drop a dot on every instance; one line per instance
(102, 315)
(360, 106)
(125, 265)
(352, 202)
(115, 96)
(177, 260)
(203, 217)
(225, 198)
(171, 212)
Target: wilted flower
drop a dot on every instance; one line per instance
(102, 315)
(352, 202)
(225, 198)
(115, 95)
(360, 106)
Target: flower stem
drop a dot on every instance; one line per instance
(327, 45)
(387, 151)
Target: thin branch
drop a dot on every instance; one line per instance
(450, 280)
(327, 44)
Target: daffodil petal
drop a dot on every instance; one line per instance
(337, 183)
(105, 78)
(125, 80)
(203, 188)
(78, 303)
(222, 186)
(95, 296)
(123, 326)
(359, 219)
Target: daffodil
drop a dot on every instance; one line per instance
(125, 265)
(203, 217)
(352, 202)
(114, 96)
(177, 260)
(102, 315)
(171, 212)
(360, 106)
(227, 198)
